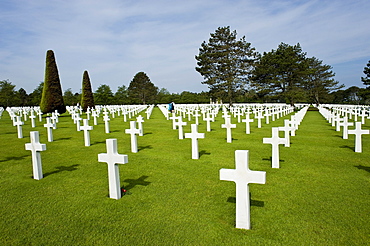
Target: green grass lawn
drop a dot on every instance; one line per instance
(319, 196)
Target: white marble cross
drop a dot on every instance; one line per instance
(275, 141)
(238, 114)
(78, 121)
(39, 113)
(140, 120)
(194, 135)
(113, 158)
(208, 119)
(339, 123)
(86, 128)
(133, 131)
(228, 127)
(49, 126)
(259, 116)
(196, 115)
(358, 136)
(106, 122)
(247, 121)
(19, 124)
(35, 146)
(242, 176)
(174, 118)
(345, 125)
(267, 115)
(54, 119)
(286, 129)
(95, 115)
(32, 118)
(180, 124)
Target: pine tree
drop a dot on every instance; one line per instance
(141, 89)
(225, 63)
(87, 97)
(52, 96)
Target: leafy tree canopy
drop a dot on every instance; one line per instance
(225, 63)
(103, 95)
(141, 89)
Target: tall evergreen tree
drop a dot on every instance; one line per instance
(281, 73)
(52, 95)
(87, 97)
(225, 63)
(319, 82)
(141, 89)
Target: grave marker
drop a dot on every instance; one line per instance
(106, 122)
(345, 125)
(35, 147)
(358, 136)
(286, 129)
(228, 127)
(133, 131)
(49, 127)
(112, 158)
(275, 141)
(19, 124)
(86, 128)
(140, 121)
(194, 135)
(242, 176)
(247, 121)
(180, 123)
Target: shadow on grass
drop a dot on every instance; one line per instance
(255, 203)
(115, 131)
(62, 139)
(134, 182)
(144, 147)
(203, 152)
(232, 139)
(99, 142)
(347, 147)
(62, 169)
(14, 158)
(270, 159)
(148, 133)
(367, 169)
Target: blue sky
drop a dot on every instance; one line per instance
(115, 39)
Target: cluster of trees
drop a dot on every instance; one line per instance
(232, 68)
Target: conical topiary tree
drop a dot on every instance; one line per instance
(87, 97)
(52, 96)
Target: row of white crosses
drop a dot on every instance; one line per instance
(111, 157)
(210, 112)
(288, 129)
(333, 115)
(36, 147)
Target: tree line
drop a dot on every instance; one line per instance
(233, 69)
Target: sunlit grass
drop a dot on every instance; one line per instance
(319, 196)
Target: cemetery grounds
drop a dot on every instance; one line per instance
(320, 195)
